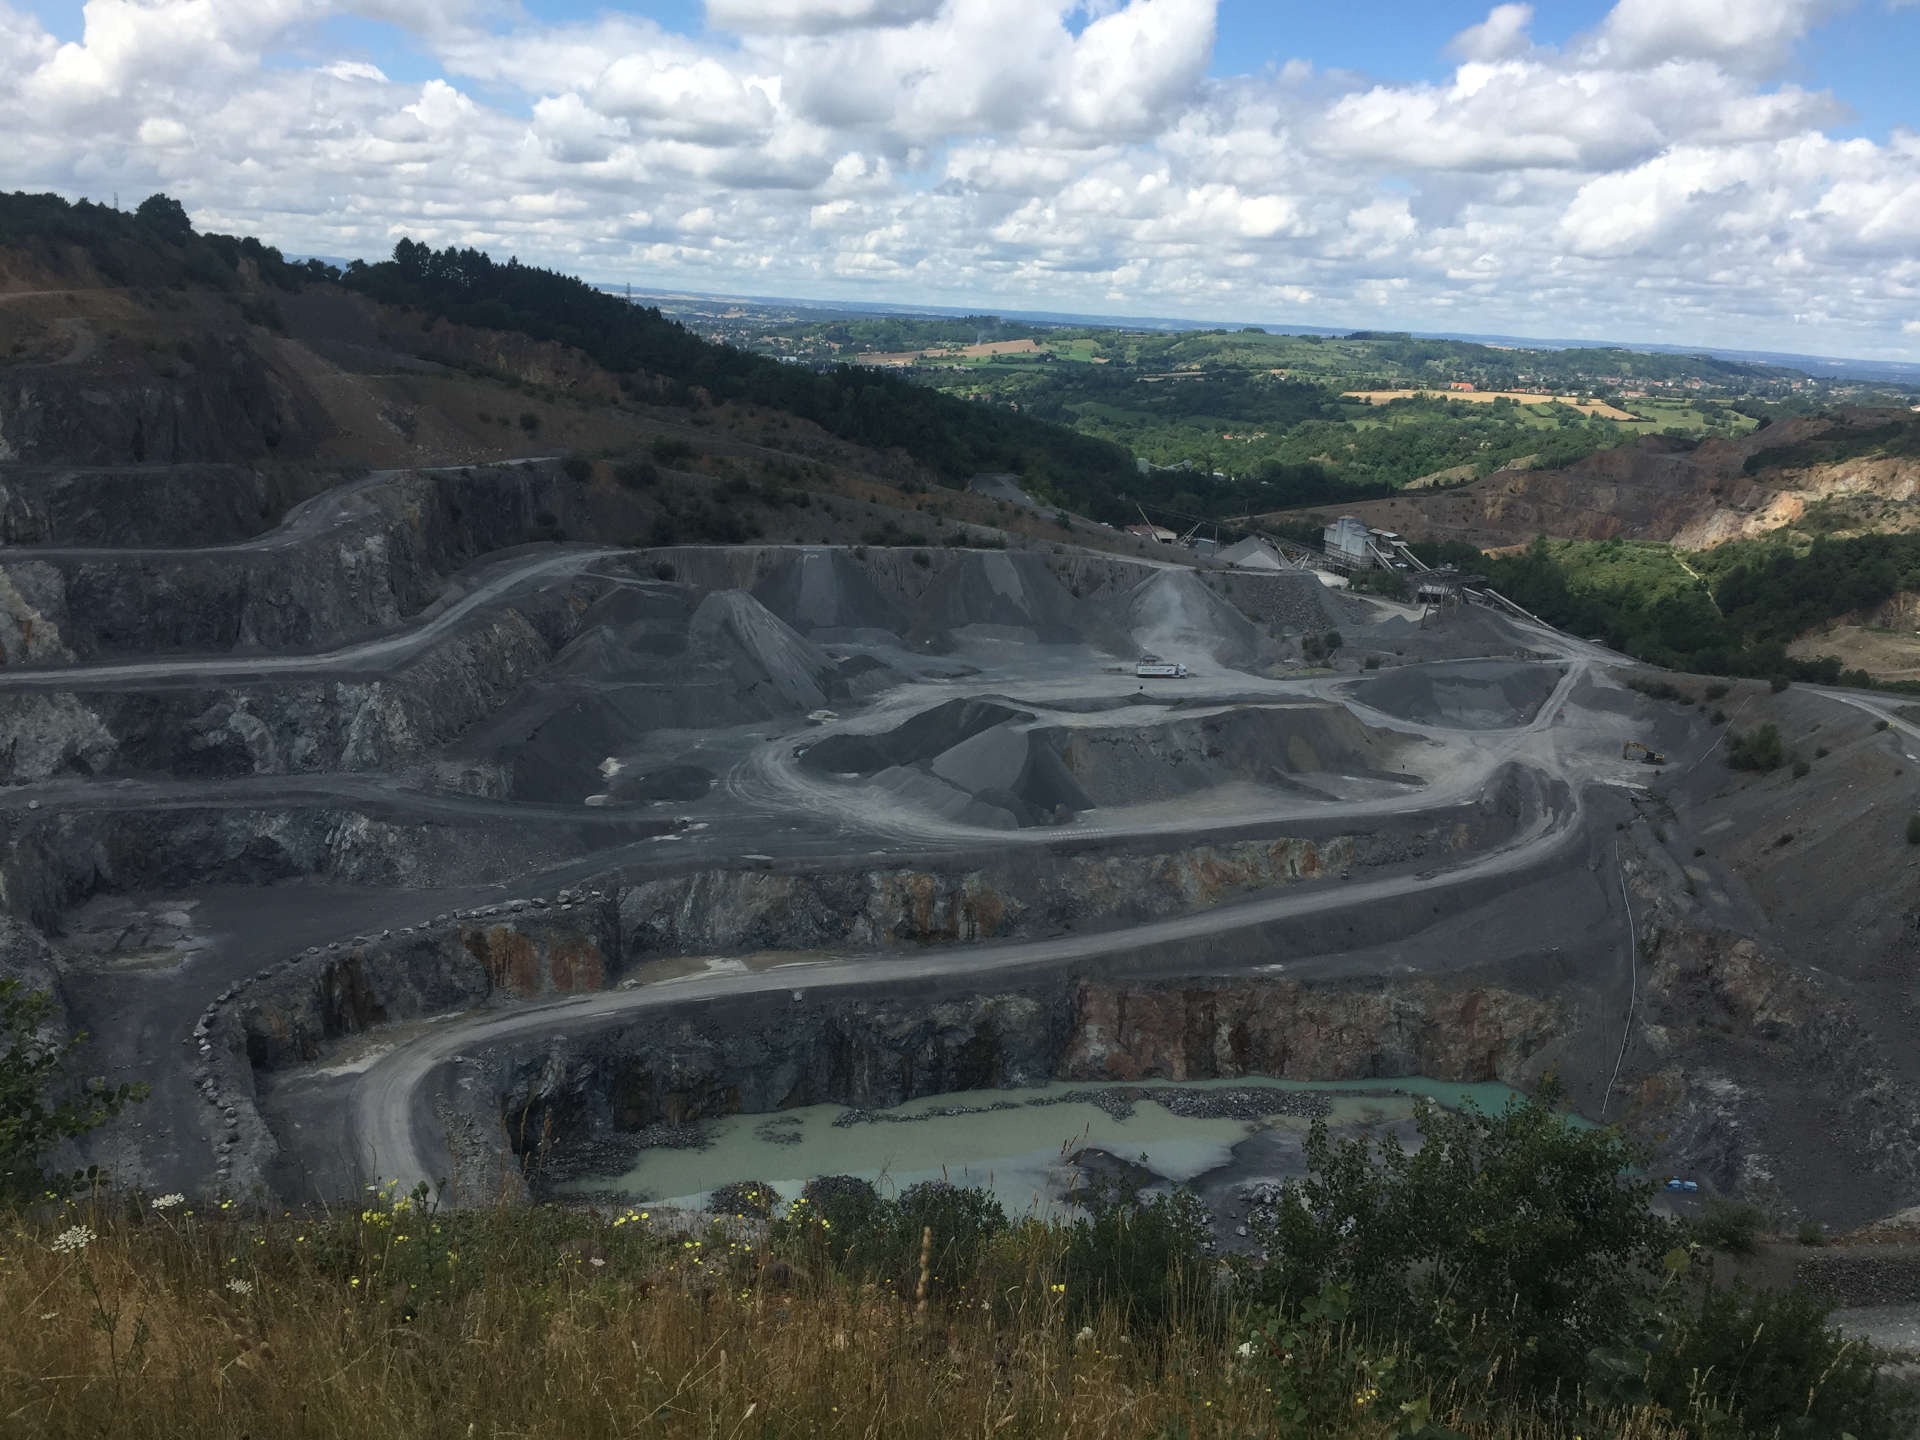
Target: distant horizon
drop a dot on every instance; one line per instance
(1739, 176)
(1892, 371)
(1859, 367)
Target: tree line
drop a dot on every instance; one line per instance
(1755, 598)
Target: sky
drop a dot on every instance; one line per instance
(1734, 173)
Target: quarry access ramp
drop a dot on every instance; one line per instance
(391, 1121)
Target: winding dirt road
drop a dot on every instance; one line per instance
(394, 1132)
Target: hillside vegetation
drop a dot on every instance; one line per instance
(1506, 1280)
(1255, 421)
(863, 406)
(1733, 610)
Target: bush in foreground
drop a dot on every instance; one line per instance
(155, 1319)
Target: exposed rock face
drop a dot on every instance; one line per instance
(289, 727)
(150, 505)
(25, 957)
(298, 1014)
(226, 399)
(32, 600)
(1284, 1029)
(766, 1053)
(52, 860)
(864, 1052)
(1743, 1052)
(725, 911)
(1656, 489)
(385, 561)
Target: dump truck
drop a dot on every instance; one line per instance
(1648, 755)
(1160, 670)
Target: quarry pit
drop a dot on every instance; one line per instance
(395, 848)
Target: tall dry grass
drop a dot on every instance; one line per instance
(132, 1321)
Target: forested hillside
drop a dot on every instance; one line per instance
(1732, 610)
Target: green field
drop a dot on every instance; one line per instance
(1243, 421)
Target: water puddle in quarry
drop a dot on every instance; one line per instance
(1022, 1144)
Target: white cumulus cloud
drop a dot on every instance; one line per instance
(1650, 179)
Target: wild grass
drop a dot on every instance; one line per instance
(136, 1321)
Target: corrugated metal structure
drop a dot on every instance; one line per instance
(1348, 543)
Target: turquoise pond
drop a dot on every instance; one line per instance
(1021, 1149)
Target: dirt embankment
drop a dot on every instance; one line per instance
(1659, 488)
(1884, 640)
(1774, 1048)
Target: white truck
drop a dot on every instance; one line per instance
(1160, 670)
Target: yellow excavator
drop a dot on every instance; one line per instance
(1648, 755)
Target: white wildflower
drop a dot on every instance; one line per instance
(1245, 1352)
(167, 1202)
(239, 1286)
(73, 1241)
(1086, 1334)
(597, 1262)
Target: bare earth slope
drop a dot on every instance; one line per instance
(1660, 489)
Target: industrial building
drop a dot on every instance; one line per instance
(1347, 543)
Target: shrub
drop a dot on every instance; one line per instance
(1811, 1232)
(1147, 1261)
(1729, 1225)
(1716, 690)
(1770, 1365)
(1800, 768)
(847, 1225)
(636, 475)
(578, 468)
(33, 1072)
(1759, 749)
(1659, 690)
(671, 449)
(663, 570)
(1913, 830)
(743, 1198)
(264, 312)
(922, 559)
(1512, 1237)
(1779, 682)
(529, 422)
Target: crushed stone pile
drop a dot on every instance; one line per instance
(1013, 596)
(972, 761)
(761, 649)
(825, 595)
(1457, 633)
(1252, 553)
(1281, 746)
(1294, 601)
(1173, 614)
(1468, 695)
(912, 742)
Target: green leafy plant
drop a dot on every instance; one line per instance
(1515, 1236)
(1757, 749)
(35, 1115)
